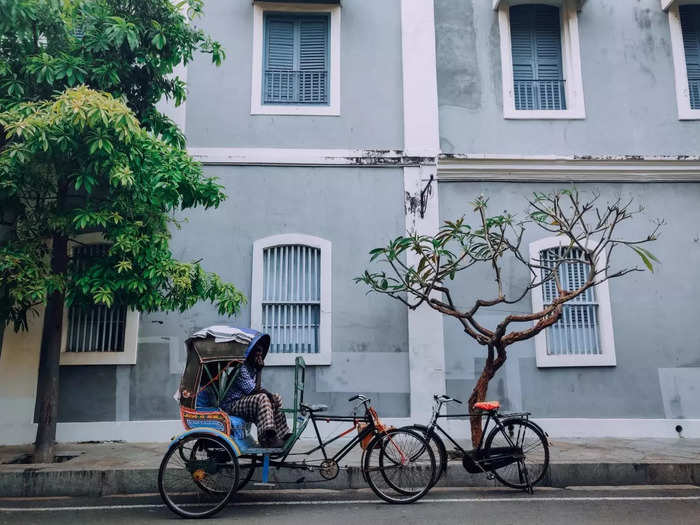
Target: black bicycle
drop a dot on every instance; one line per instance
(515, 451)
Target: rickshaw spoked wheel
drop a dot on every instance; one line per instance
(203, 483)
(246, 466)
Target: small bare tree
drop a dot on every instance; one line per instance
(420, 267)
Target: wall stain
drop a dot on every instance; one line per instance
(458, 75)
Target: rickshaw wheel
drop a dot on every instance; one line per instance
(399, 466)
(246, 469)
(202, 484)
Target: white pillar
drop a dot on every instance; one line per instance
(421, 139)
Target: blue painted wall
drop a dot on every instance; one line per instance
(653, 314)
(218, 107)
(628, 83)
(357, 209)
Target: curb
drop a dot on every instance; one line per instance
(44, 482)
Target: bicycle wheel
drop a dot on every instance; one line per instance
(529, 438)
(202, 484)
(399, 466)
(438, 447)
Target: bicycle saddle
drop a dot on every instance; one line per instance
(488, 405)
(314, 408)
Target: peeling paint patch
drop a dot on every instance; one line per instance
(412, 203)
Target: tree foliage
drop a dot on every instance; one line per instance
(419, 269)
(81, 163)
(124, 47)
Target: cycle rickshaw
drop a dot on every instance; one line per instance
(217, 455)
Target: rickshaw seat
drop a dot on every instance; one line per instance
(239, 426)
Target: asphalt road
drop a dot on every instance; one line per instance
(572, 506)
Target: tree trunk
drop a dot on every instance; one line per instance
(481, 388)
(49, 359)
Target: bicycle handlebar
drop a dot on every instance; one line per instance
(446, 399)
(358, 396)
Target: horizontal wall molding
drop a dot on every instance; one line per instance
(359, 158)
(163, 431)
(552, 168)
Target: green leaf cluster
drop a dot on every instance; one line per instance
(128, 48)
(81, 163)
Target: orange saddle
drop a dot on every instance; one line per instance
(488, 405)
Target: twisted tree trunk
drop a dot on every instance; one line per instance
(493, 363)
(49, 360)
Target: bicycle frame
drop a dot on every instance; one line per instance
(369, 429)
(497, 419)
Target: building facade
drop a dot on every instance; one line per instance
(336, 126)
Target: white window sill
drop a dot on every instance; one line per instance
(561, 361)
(288, 359)
(270, 109)
(689, 114)
(97, 358)
(524, 114)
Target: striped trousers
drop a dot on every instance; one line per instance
(265, 413)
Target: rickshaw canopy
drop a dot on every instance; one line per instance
(203, 348)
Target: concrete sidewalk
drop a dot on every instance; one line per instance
(101, 469)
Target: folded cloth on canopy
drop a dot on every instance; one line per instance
(224, 334)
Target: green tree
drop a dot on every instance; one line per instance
(73, 160)
(81, 163)
(421, 269)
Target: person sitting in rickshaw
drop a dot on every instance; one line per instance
(248, 400)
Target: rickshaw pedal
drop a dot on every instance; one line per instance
(265, 485)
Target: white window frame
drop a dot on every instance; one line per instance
(602, 294)
(323, 357)
(256, 105)
(131, 329)
(571, 62)
(680, 69)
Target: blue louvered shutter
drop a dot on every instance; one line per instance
(690, 24)
(291, 303)
(279, 61)
(313, 60)
(537, 59)
(296, 59)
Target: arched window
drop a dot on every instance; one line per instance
(291, 297)
(583, 334)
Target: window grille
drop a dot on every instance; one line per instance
(98, 328)
(578, 329)
(690, 25)
(291, 303)
(537, 57)
(296, 59)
